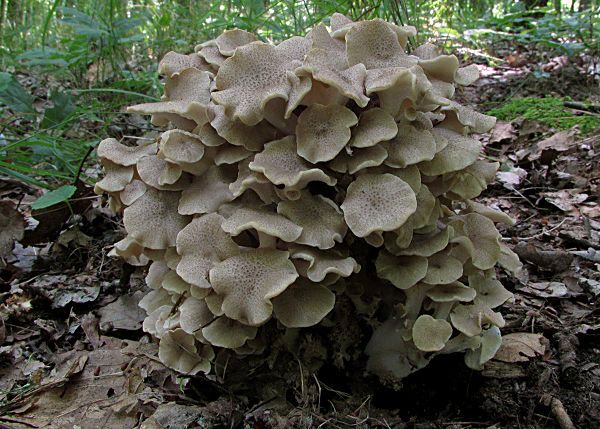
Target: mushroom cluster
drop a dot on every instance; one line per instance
(290, 175)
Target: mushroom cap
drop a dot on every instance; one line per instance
(261, 220)
(485, 238)
(280, 163)
(174, 284)
(207, 192)
(455, 291)
(177, 350)
(402, 271)
(152, 170)
(118, 153)
(230, 40)
(237, 133)
(323, 131)
(378, 202)
(156, 274)
(489, 290)
(374, 126)
(460, 152)
(325, 68)
(321, 220)
(410, 146)
(470, 319)
(180, 146)
(428, 244)
(132, 191)
(249, 280)
(442, 269)
(228, 333)
(187, 95)
(321, 263)
(246, 81)
(115, 179)
(153, 219)
(194, 315)
(375, 44)
(359, 159)
(174, 63)
(303, 304)
(467, 75)
(429, 334)
(201, 244)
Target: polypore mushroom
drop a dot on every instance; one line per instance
(274, 152)
(381, 202)
(249, 280)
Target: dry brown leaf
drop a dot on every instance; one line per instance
(124, 313)
(521, 347)
(12, 227)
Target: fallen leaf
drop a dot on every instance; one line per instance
(503, 132)
(547, 289)
(565, 199)
(124, 313)
(521, 347)
(62, 290)
(12, 227)
(555, 260)
(549, 148)
(512, 178)
(172, 415)
(91, 390)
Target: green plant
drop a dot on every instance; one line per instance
(549, 111)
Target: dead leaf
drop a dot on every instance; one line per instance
(91, 390)
(503, 132)
(512, 178)
(548, 149)
(124, 313)
(547, 289)
(62, 290)
(554, 260)
(89, 324)
(174, 416)
(565, 199)
(521, 347)
(12, 227)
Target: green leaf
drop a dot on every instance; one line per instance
(63, 108)
(54, 197)
(14, 95)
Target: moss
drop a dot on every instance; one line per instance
(549, 111)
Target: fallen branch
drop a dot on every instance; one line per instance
(593, 108)
(558, 411)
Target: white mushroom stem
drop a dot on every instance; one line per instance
(273, 114)
(414, 299)
(442, 310)
(266, 241)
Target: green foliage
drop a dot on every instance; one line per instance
(14, 96)
(108, 50)
(549, 111)
(56, 196)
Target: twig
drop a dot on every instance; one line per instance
(90, 149)
(558, 411)
(13, 420)
(582, 106)
(544, 231)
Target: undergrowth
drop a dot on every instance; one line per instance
(548, 111)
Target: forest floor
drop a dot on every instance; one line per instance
(72, 352)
